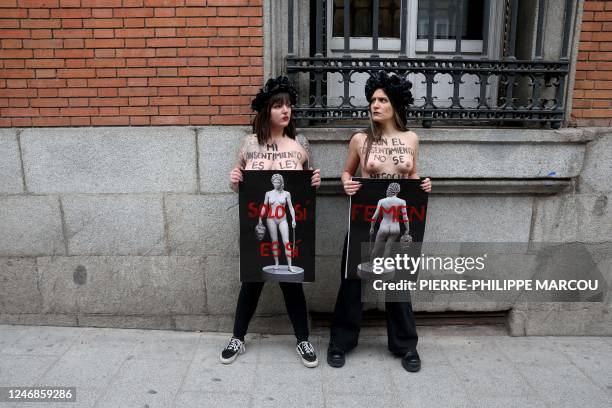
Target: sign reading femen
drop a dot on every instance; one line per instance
(383, 213)
(277, 226)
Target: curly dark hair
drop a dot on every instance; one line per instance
(280, 84)
(397, 89)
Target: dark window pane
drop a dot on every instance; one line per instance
(361, 18)
(444, 19)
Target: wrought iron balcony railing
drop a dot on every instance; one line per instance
(506, 91)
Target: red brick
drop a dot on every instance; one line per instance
(44, 23)
(73, 102)
(135, 42)
(140, 120)
(164, 3)
(14, 34)
(19, 112)
(169, 120)
(104, 43)
(82, 33)
(48, 102)
(80, 121)
(78, 92)
(250, 11)
(228, 21)
(106, 72)
(138, 91)
(167, 91)
(16, 63)
(132, 3)
(602, 36)
(13, 53)
(45, 63)
(39, 13)
(165, 32)
(165, 22)
(74, 43)
(133, 12)
(168, 81)
(139, 101)
(108, 101)
(51, 121)
(48, 93)
(135, 32)
(591, 26)
(605, 16)
(199, 120)
(75, 63)
(134, 22)
(136, 72)
(196, 32)
(72, 23)
(166, 62)
(597, 113)
(594, 5)
(166, 42)
(110, 121)
(165, 52)
(106, 62)
(71, 13)
(226, 3)
(100, 3)
(164, 12)
(103, 23)
(106, 82)
(107, 92)
(135, 52)
(589, 46)
(174, 100)
(595, 56)
(39, 3)
(17, 73)
(14, 13)
(197, 52)
(41, 34)
(196, 11)
(138, 110)
(9, 23)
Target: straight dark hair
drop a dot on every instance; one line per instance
(261, 123)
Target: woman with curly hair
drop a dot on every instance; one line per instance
(386, 150)
(272, 146)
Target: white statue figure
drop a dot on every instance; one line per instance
(276, 203)
(393, 211)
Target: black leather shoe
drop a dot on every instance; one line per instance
(335, 357)
(411, 361)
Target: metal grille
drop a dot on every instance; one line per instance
(526, 91)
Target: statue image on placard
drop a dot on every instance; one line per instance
(393, 211)
(276, 203)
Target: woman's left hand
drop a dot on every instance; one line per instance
(315, 181)
(426, 185)
(293, 224)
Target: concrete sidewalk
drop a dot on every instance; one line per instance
(462, 366)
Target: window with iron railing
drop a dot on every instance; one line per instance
(471, 62)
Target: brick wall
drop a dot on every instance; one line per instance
(129, 62)
(592, 97)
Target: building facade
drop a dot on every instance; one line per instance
(121, 118)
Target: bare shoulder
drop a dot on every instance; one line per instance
(302, 141)
(411, 135)
(358, 139)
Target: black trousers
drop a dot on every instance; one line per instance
(401, 328)
(294, 301)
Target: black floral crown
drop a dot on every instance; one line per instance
(395, 86)
(272, 87)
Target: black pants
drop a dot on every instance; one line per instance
(294, 301)
(401, 328)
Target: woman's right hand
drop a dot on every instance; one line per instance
(351, 186)
(236, 175)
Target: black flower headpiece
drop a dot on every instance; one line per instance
(395, 86)
(272, 87)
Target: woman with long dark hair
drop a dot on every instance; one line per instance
(272, 146)
(389, 97)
